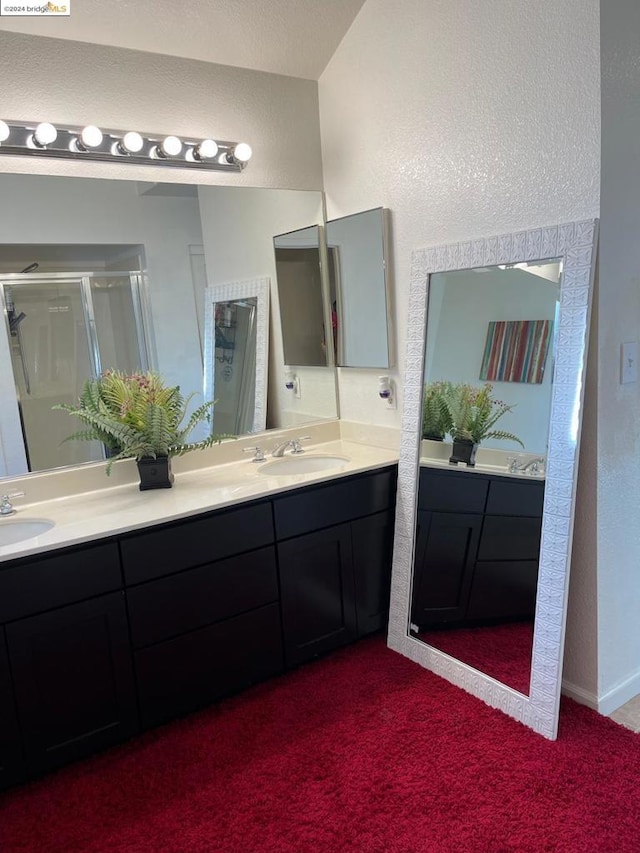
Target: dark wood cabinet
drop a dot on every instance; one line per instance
(317, 593)
(100, 640)
(73, 680)
(12, 766)
(477, 548)
(334, 582)
(372, 541)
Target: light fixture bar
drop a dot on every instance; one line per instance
(43, 139)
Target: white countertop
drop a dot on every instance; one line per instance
(480, 468)
(113, 510)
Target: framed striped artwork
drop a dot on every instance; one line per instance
(516, 350)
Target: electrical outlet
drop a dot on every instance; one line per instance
(628, 362)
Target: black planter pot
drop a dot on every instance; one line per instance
(155, 473)
(431, 437)
(464, 450)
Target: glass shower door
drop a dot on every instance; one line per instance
(64, 329)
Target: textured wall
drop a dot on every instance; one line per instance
(619, 310)
(55, 80)
(466, 120)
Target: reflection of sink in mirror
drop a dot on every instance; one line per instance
(17, 531)
(302, 464)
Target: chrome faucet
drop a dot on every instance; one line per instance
(294, 443)
(6, 507)
(533, 466)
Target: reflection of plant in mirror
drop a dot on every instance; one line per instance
(137, 416)
(473, 412)
(436, 419)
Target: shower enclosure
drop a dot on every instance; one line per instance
(62, 329)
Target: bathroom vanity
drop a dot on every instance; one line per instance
(103, 639)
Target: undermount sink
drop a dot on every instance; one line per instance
(12, 531)
(302, 464)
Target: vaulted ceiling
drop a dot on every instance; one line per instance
(292, 37)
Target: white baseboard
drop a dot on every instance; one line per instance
(618, 695)
(608, 702)
(583, 697)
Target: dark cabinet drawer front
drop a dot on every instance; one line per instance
(505, 538)
(509, 498)
(504, 590)
(450, 491)
(199, 597)
(194, 543)
(183, 674)
(338, 502)
(33, 586)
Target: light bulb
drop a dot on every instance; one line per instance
(205, 150)
(91, 136)
(170, 146)
(4, 131)
(242, 152)
(131, 143)
(44, 134)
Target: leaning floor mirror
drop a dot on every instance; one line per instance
(236, 333)
(493, 394)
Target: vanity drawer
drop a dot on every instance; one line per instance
(516, 498)
(188, 672)
(452, 491)
(35, 585)
(195, 543)
(510, 538)
(184, 602)
(340, 501)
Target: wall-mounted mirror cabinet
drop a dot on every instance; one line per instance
(333, 287)
(301, 297)
(357, 267)
(104, 273)
(482, 550)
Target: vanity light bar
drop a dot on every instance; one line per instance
(44, 139)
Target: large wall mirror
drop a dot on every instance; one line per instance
(482, 549)
(105, 273)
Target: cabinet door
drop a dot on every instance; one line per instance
(73, 680)
(317, 593)
(372, 553)
(446, 548)
(504, 590)
(11, 759)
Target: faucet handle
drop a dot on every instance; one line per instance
(6, 507)
(296, 443)
(259, 453)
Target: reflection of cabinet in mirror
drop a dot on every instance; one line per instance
(477, 549)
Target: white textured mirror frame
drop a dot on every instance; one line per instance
(575, 243)
(258, 289)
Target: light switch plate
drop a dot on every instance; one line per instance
(628, 362)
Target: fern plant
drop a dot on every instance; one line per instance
(136, 416)
(473, 412)
(436, 420)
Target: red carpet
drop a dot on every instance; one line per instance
(363, 752)
(501, 651)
